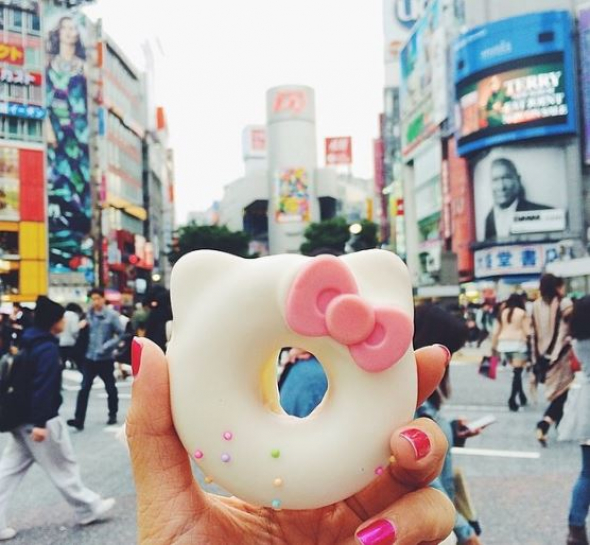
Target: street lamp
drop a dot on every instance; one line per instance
(354, 244)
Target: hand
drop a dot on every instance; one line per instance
(463, 432)
(82, 324)
(39, 435)
(172, 508)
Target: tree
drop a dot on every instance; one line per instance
(208, 237)
(333, 234)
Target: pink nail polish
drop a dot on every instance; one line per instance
(420, 442)
(446, 351)
(135, 356)
(381, 532)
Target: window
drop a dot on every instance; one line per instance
(32, 56)
(13, 126)
(34, 23)
(16, 19)
(29, 130)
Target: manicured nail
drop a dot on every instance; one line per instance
(381, 532)
(135, 356)
(446, 351)
(419, 440)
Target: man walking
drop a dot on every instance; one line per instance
(104, 334)
(43, 437)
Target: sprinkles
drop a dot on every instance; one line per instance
(199, 454)
(228, 435)
(225, 458)
(276, 504)
(275, 453)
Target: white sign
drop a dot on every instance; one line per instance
(538, 221)
(520, 259)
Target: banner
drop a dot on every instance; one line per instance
(520, 191)
(70, 201)
(513, 85)
(339, 151)
(515, 260)
(584, 32)
(293, 198)
(9, 184)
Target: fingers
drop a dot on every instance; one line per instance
(423, 516)
(432, 363)
(161, 466)
(418, 453)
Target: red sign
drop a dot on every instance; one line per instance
(12, 54)
(339, 151)
(20, 76)
(258, 140)
(290, 101)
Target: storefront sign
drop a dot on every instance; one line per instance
(20, 77)
(513, 85)
(339, 151)
(21, 110)
(290, 101)
(12, 54)
(514, 260)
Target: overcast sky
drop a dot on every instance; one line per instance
(219, 59)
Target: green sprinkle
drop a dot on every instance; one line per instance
(276, 453)
(276, 504)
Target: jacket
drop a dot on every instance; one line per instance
(105, 332)
(45, 394)
(522, 206)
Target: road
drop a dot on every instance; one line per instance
(521, 490)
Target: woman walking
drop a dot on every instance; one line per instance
(576, 422)
(510, 338)
(551, 314)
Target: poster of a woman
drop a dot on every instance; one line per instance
(70, 202)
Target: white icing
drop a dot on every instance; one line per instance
(229, 322)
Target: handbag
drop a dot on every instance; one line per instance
(489, 367)
(575, 363)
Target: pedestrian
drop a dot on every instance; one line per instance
(485, 319)
(433, 325)
(157, 320)
(70, 334)
(104, 333)
(551, 314)
(43, 438)
(575, 425)
(510, 339)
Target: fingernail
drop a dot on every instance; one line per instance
(420, 442)
(381, 532)
(135, 356)
(446, 351)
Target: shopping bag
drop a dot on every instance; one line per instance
(489, 367)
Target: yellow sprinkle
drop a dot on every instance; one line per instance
(208, 480)
(278, 482)
(392, 460)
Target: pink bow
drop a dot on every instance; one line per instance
(324, 301)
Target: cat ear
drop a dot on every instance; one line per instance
(193, 274)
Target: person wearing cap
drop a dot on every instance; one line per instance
(44, 438)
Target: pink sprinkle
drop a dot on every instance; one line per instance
(228, 435)
(198, 455)
(379, 471)
(225, 458)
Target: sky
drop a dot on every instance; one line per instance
(216, 59)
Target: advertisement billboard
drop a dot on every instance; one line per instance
(513, 85)
(339, 151)
(68, 155)
(293, 197)
(584, 33)
(254, 142)
(9, 184)
(520, 191)
(423, 89)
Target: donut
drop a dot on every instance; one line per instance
(232, 316)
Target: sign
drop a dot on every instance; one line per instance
(515, 260)
(339, 151)
(254, 142)
(293, 198)
(20, 77)
(290, 101)
(22, 110)
(399, 16)
(520, 190)
(513, 85)
(12, 54)
(9, 184)
(584, 60)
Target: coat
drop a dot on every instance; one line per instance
(522, 206)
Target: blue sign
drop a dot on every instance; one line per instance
(515, 80)
(22, 110)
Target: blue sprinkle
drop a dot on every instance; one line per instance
(276, 504)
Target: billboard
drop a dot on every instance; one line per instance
(520, 191)
(254, 142)
(9, 184)
(399, 16)
(339, 151)
(584, 33)
(518, 259)
(293, 196)
(12, 54)
(513, 85)
(68, 156)
(423, 89)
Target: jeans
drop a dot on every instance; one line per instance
(106, 371)
(581, 492)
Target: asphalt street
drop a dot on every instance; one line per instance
(521, 490)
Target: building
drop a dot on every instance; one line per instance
(494, 172)
(23, 210)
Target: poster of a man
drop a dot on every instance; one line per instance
(520, 190)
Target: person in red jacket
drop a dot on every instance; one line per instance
(44, 438)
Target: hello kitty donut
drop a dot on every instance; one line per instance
(232, 317)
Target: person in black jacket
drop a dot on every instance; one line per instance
(44, 438)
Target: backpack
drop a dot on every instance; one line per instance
(15, 389)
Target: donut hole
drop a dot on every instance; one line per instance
(302, 382)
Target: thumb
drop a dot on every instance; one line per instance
(161, 466)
